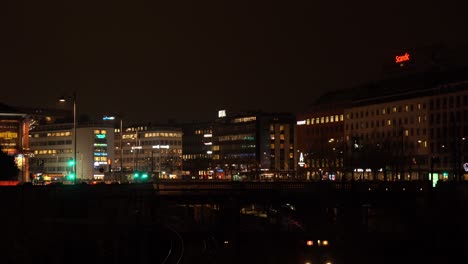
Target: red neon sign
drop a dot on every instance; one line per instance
(402, 58)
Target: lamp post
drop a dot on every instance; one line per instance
(62, 99)
(120, 144)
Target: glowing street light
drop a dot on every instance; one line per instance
(62, 99)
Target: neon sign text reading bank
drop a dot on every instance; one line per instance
(402, 58)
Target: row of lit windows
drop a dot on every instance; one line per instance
(196, 156)
(321, 120)
(157, 161)
(52, 151)
(52, 134)
(151, 152)
(8, 135)
(384, 111)
(172, 143)
(272, 146)
(162, 134)
(100, 131)
(237, 137)
(200, 131)
(272, 136)
(100, 159)
(281, 128)
(389, 122)
(320, 163)
(244, 119)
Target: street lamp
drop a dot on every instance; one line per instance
(62, 99)
(120, 145)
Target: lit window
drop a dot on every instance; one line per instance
(336, 118)
(389, 122)
(317, 120)
(419, 106)
(326, 119)
(96, 131)
(406, 132)
(312, 121)
(419, 119)
(272, 146)
(406, 108)
(341, 117)
(332, 119)
(394, 109)
(308, 122)
(322, 120)
(281, 128)
(383, 111)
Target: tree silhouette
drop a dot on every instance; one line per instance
(8, 169)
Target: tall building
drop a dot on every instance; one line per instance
(320, 140)
(197, 150)
(52, 147)
(156, 150)
(255, 146)
(409, 128)
(14, 137)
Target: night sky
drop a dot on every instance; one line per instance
(185, 60)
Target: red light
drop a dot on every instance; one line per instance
(402, 58)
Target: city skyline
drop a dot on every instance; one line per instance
(187, 61)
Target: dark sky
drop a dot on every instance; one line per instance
(184, 60)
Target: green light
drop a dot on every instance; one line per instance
(71, 162)
(71, 176)
(101, 135)
(144, 176)
(135, 175)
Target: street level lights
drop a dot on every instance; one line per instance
(62, 99)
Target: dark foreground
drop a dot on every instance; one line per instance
(45, 228)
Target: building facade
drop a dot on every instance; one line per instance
(255, 146)
(320, 142)
(14, 131)
(52, 147)
(417, 132)
(155, 150)
(197, 144)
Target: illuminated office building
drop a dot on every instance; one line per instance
(255, 146)
(52, 150)
(156, 150)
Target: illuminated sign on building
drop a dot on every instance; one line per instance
(301, 122)
(402, 58)
(221, 113)
(101, 135)
(465, 166)
(301, 160)
(161, 146)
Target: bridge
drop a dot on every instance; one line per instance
(351, 209)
